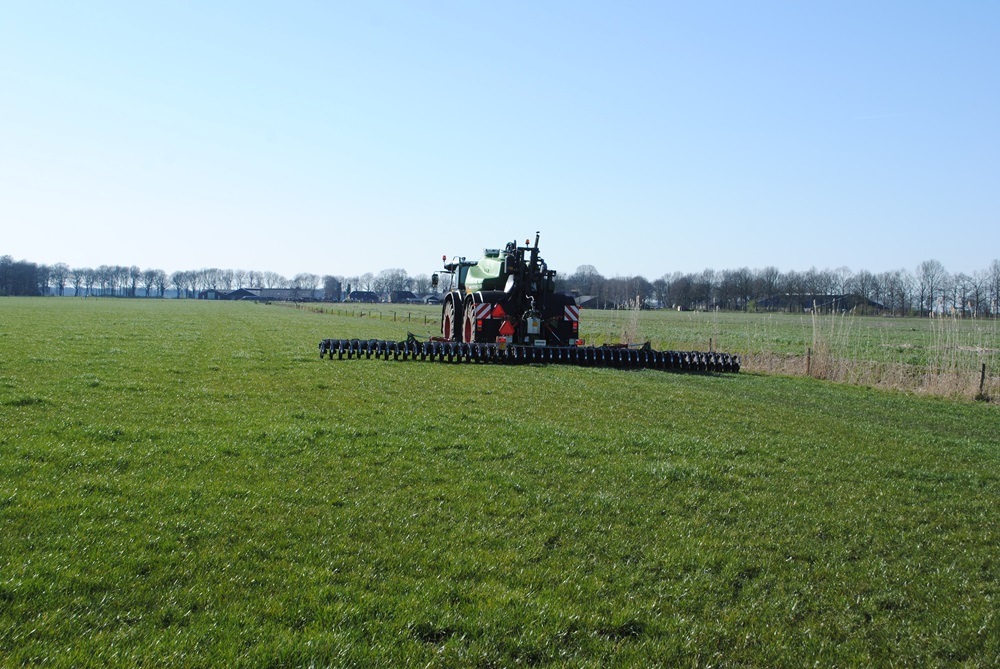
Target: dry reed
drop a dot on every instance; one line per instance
(953, 366)
(630, 327)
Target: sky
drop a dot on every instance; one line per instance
(638, 137)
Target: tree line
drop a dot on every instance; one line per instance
(930, 288)
(27, 278)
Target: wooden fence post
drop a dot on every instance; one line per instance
(809, 353)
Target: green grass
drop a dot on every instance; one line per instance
(186, 484)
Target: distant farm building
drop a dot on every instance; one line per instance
(362, 296)
(403, 297)
(264, 294)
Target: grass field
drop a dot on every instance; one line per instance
(187, 484)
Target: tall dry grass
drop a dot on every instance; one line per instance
(631, 333)
(952, 363)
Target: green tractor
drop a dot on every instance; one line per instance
(507, 297)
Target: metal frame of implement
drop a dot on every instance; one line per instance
(513, 354)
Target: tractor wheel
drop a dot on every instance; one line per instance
(469, 322)
(448, 321)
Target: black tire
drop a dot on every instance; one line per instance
(469, 322)
(448, 317)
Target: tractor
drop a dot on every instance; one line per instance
(507, 297)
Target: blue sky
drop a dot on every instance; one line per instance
(638, 137)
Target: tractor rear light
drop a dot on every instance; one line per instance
(479, 325)
(579, 342)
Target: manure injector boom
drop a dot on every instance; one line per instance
(504, 309)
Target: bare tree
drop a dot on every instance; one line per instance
(821, 282)
(704, 288)
(641, 288)
(622, 290)
(908, 289)
(77, 276)
(119, 280)
(766, 282)
(390, 280)
(178, 280)
(736, 288)
(159, 284)
(661, 291)
(305, 285)
(586, 280)
(682, 290)
(306, 281)
(978, 285)
(103, 279)
(421, 284)
(793, 283)
(864, 284)
(931, 278)
(894, 290)
(960, 289)
(134, 276)
(148, 281)
(89, 280)
(273, 280)
(43, 279)
(842, 276)
(60, 275)
(211, 278)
